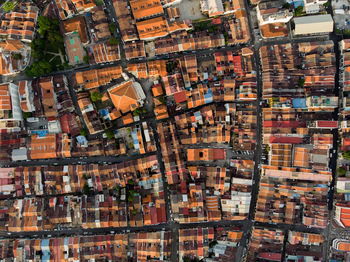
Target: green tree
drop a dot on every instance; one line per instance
(341, 171)
(86, 59)
(112, 27)
(85, 176)
(110, 133)
(55, 38)
(213, 243)
(95, 96)
(139, 111)
(8, 6)
(99, 2)
(83, 132)
(346, 155)
(134, 212)
(44, 24)
(286, 6)
(86, 189)
(326, 5)
(17, 56)
(26, 115)
(298, 11)
(301, 82)
(113, 41)
(131, 182)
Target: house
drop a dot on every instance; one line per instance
(154, 28)
(99, 27)
(134, 49)
(19, 24)
(10, 63)
(90, 117)
(76, 25)
(145, 8)
(105, 53)
(125, 20)
(139, 70)
(10, 108)
(206, 154)
(97, 77)
(212, 7)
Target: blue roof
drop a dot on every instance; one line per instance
(347, 196)
(299, 103)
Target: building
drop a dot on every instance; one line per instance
(313, 6)
(76, 24)
(158, 27)
(127, 96)
(212, 7)
(9, 64)
(313, 24)
(145, 8)
(10, 108)
(19, 24)
(97, 77)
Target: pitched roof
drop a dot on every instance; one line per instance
(77, 24)
(124, 97)
(145, 8)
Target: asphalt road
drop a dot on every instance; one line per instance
(171, 225)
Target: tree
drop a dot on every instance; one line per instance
(26, 115)
(213, 243)
(95, 96)
(301, 82)
(298, 11)
(112, 27)
(286, 6)
(99, 2)
(346, 155)
(113, 41)
(139, 111)
(162, 99)
(131, 182)
(85, 176)
(134, 212)
(86, 189)
(44, 24)
(8, 6)
(326, 5)
(110, 134)
(341, 171)
(83, 132)
(17, 56)
(86, 59)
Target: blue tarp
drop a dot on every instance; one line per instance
(41, 133)
(104, 112)
(208, 98)
(299, 103)
(81, 140)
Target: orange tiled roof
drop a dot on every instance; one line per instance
(5, 99)
(145, 8)
(11, 45)
(124, 97)
(77, 24)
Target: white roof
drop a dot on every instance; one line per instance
(312, 19)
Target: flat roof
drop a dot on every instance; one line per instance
(312, 19)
